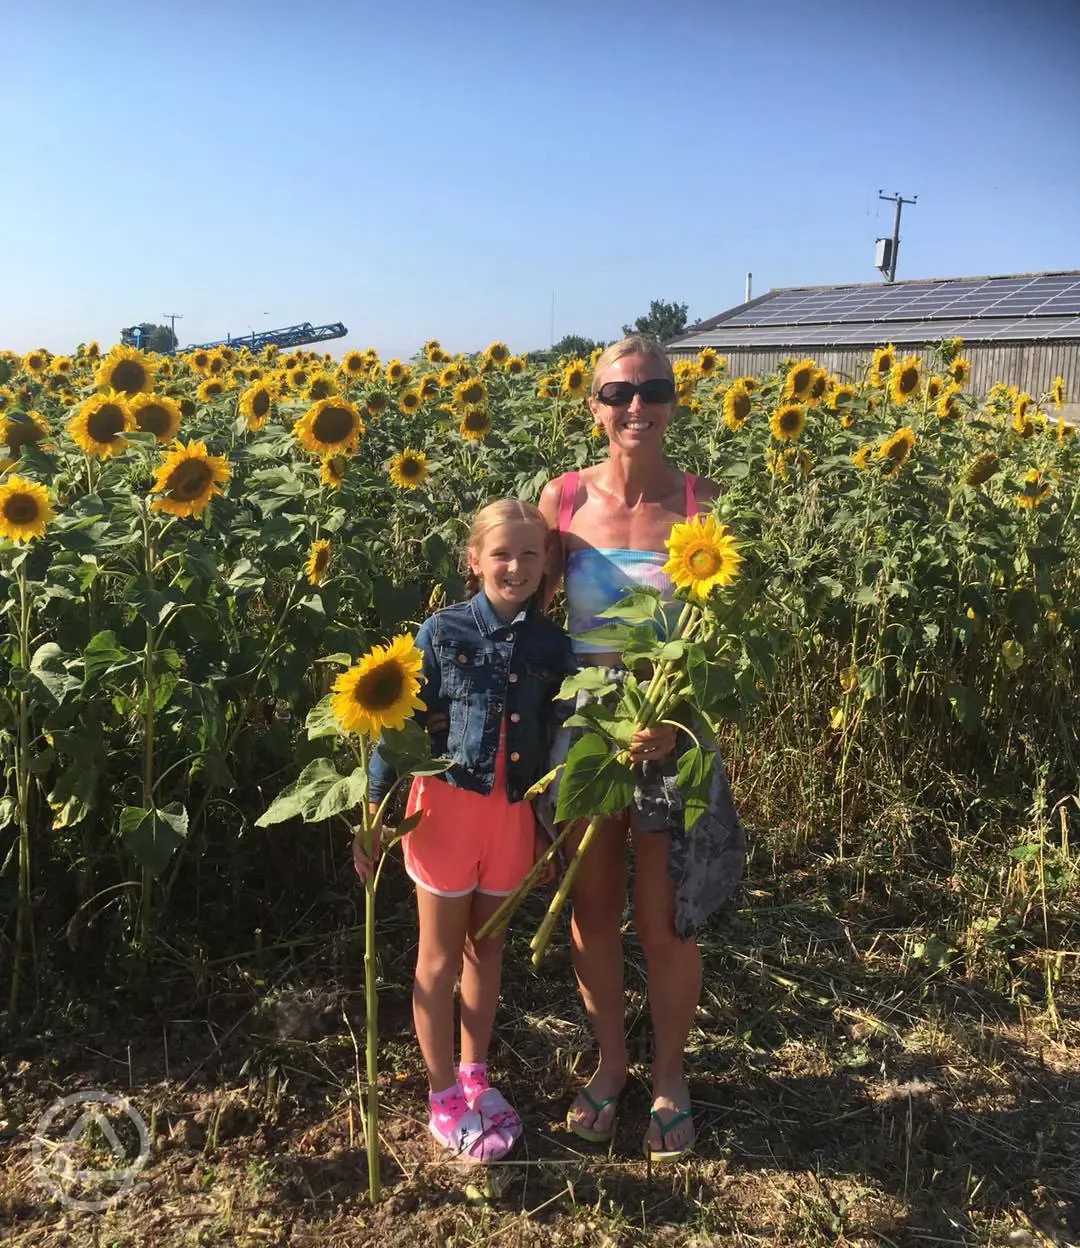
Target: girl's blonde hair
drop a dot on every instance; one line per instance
(503, 511)
(636, 344)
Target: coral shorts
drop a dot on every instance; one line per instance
(465, 842)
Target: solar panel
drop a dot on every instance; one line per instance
(1040, 296)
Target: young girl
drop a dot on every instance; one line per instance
(492, 667)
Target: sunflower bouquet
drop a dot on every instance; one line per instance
(676, 674)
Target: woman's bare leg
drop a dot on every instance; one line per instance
(599, 898)
(674, 972)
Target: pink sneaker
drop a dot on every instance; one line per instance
(463, 1132)
(492, 1106)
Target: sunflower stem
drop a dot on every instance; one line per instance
(542, 938)
(149, 695)
(371, 1001)
(23, 932)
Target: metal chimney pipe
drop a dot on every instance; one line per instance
(749, 284)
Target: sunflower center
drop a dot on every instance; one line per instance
(411, 467)
(333, 424)
(190, 479)
(106, 423)
(801, 379)
(789, 421)
(472, 394)
(129, 376)
(260, 403)
(704, 562)
(380, 688)
(740, 406)
(376, 402)
(476, 421)
(153, 419)
(20, 509)
(909, 379)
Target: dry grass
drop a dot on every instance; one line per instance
(849, 1091)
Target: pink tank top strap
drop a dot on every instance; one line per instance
(691, 501)
(566, 500)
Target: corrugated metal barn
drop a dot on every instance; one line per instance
(1023, 330)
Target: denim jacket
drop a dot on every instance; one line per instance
(477, 672)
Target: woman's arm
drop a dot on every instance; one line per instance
(550, 500)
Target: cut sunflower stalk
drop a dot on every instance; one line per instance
(597, 780)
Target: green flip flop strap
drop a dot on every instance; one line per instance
(596, 1106)
(664, 1128)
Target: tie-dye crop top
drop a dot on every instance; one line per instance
(596, 577)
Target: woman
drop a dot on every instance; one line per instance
(610, 522)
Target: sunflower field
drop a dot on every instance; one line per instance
(193, 547)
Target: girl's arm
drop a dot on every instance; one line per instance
(381, 775)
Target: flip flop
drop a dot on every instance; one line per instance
(663, 1153)
(590, 1133)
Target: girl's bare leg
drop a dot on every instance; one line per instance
(481, 980)
(444, 922)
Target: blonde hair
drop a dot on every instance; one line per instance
(636, 344)
(502, 511)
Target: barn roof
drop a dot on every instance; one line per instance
(1020, 308)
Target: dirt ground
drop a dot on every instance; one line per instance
(846, 1093)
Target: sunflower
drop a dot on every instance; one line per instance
(960, 370)
(21, 429)
(516, 365)
(331, 425)
(934, 387)
(210, 389)
(292, 360)
(354, 364)
(333, 470)
(188, 479)
(448, 376)
(1065, 431)
(820, 386)
(199, 361)
(381, 690)
(396, 372)
(428, 387)
(948, 404)
(982, 468)
(884, 359)
(799, 380)
(432, 347)
(126, 370)
(321, 386)
(736, 406)
(409, 401)
(1022, 407)
(497, 352)
(710, 362)
(297, 377)
(156, 414)
(574, 377)
(686, 374)
(702, 554)
(898, 447)
(238, 375)
(24, 509)
(904, 379)
(408, 469)
(475, 424)
(376, 402)
(841, 394)
(863, 456)
(7, 399)
(92, 350)
(35, 362)
(100, 423)
(548, 387)
(470, 393)
(788, 422)
(1036, 490)
(62, 365)
(318, 561)
(256, 404)
(1057, 393)
(228, 355)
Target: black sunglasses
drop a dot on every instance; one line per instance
(621, 393)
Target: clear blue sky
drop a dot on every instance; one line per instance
(431, 169)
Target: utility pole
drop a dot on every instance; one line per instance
(172, 318)
(888, 248)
